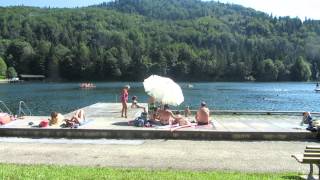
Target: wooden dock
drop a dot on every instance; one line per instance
(105, 122)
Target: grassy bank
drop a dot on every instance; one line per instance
(10, 171)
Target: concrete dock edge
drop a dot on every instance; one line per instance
(156, 134)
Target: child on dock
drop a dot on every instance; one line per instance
(135, 103)
(124, 100)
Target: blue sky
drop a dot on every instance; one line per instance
(293, 8)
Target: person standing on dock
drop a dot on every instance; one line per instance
(124, 100)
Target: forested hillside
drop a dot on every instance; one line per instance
(185, 39)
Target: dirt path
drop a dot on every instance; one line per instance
(267, 156)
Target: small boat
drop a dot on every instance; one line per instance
(87, 85)
(190, 86)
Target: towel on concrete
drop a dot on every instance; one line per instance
(84, 122)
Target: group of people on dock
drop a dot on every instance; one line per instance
(161, 114)
(57, 119)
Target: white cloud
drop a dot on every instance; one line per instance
(292, 8)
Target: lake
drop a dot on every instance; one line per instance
(43, 98)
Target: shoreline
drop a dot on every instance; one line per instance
(2, 81)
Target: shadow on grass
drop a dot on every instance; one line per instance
(295, 177)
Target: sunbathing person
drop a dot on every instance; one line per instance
(56, 119)
(154, 114)
(77, 118)
(165, 116)
(202, 116)
(152, 108)
(135, 103)
(180, 120)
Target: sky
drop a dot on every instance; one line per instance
(292, 8)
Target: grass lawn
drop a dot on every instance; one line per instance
(11, 171)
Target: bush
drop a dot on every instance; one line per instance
(11, 72)
(3, 67)
(301, 71)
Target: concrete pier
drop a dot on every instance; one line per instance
(105, 122)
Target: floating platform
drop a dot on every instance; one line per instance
(104, 121)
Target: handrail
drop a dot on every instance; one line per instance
(4, 105)
(21, 109)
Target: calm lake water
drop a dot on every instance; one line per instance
(42, 98)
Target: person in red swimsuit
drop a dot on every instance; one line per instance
(124, 99)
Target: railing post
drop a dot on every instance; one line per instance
(5, 106)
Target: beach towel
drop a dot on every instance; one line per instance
(207, 126)
(75, 125)
(13, 123)
(194, 125)
(4, 118)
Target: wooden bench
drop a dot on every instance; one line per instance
(310, 156)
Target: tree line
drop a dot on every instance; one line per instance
(188, 40)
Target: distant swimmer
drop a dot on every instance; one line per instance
(190, 86)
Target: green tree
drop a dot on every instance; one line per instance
(3, 67)
(268, 71)
(19, 56)
(11, 72)
(283, 71)
(301, 71)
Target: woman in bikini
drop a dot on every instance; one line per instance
(124, 100)
(77, 118)
(58, 118)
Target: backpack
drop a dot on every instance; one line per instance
(139, 122)
(144, 116)
(142, 121)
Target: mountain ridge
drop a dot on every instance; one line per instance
(183, 39)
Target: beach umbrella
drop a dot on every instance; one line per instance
(164, 90)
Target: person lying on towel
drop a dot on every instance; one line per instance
(57, 118)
